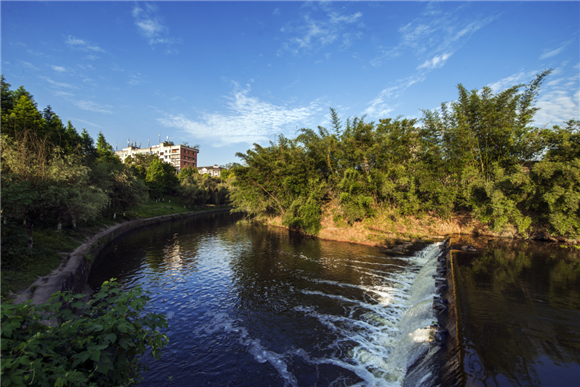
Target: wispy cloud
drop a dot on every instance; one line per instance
(310, 33)
(434, 36)
(553, 52)
(82, 45)
(435, 62)
(380, 107)
(151, 26)
(86, 122)
(63, 94)
(557, 106)
(58, 68)
(92, 107)
(135, 79)
(558, 101)
(58, 84)
(247, 120)
(517, 78)
(29, 65)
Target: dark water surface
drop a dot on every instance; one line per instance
(519, 313)
(255, 306)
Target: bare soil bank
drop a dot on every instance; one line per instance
(388, 229)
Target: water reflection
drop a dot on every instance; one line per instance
(255, 306)
(519, 310)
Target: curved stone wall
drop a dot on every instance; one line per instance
(74, 271)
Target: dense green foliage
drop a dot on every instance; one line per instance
(54, 176)
(479, 154)
(98, 345)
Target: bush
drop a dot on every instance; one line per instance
(98, 345)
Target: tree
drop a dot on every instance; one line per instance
(161, 178)
(38, 180)
(105, 151)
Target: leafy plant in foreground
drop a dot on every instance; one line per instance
(99, 345)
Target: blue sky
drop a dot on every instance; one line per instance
(227, 74)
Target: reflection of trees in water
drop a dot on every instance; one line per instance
(519, 303)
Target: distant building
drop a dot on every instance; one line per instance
(180, 156)
(212, 171)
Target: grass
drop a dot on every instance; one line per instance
(51, 246)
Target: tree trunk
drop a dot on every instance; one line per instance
(115, 215)
(59, 226)
(74, 223)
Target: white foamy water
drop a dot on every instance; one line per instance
(249, 306)
(393, 332)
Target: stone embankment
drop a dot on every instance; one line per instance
(73, 273)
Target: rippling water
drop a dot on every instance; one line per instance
(255, 306)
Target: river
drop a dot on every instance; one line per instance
(250, 305)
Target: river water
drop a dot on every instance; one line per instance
(250, 305)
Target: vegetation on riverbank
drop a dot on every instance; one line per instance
(101, 344)
(59, 186)
(58, 189)
(477, 160)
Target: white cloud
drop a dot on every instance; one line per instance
(82, 45)
(434, 34)
(436, 62)
(58, 68)
(86, 122)
(135, 79)
(558, 101)
(379, 106)
(554, 82)
(515, 79)
(550, 53)
(557, 106)
(310, 33)
(58, 84)
(151, 26)
(29, 65)
(247, 120)
(276, 11)
(63, 94)
(92, 106)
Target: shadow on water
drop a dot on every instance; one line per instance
(255, 306)
(519, 313)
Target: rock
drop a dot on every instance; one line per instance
(468, 248)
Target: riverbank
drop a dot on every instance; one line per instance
(77, 249)
(387, 229)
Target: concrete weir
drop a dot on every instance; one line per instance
(73, 273)
(443, 369)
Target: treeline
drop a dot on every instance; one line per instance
(52, 175)
(479, 155)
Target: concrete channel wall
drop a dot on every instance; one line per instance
(73, 273)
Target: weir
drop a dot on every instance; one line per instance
(403, 340)
(440, 362)
(293, 312)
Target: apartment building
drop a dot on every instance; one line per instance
(212, 171)
(180, 156)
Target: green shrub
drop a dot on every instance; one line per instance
(99, 345)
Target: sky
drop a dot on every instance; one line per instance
(226, 75)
